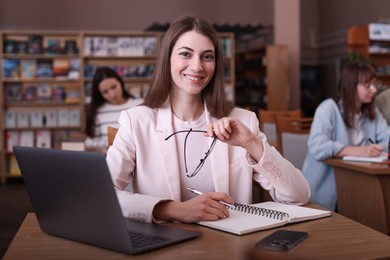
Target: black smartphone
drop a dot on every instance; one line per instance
(281, 240)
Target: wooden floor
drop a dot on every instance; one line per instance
(14, 205)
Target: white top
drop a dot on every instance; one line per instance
(357, 134)
(107, 115)
(196, 147)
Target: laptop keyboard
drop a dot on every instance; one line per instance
(142, 239)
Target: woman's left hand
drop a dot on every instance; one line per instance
(232, 131)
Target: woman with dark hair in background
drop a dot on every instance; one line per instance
(108, 98)
(349, 125)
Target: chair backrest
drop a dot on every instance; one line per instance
(293, 134)
(111, 132)
(268, 123)
(382, 101)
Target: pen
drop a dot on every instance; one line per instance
(370, 140)
(200, 193)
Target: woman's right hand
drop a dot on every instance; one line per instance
(371, 150)
(202, 207)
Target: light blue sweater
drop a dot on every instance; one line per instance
(328, 135)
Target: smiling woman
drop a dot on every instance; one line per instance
(187, 134)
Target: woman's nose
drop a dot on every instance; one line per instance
(196, 64)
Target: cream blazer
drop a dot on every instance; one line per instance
(142, 158)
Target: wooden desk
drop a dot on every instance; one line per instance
(363, 191)
(335, 237)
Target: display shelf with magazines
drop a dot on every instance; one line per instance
(40, 82)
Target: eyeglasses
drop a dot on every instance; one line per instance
(372, 85)
(201, 163)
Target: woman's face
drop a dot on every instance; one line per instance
(192, 63)
(111, 91)
(366, 92)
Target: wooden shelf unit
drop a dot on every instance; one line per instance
(94, 49)
(40, 91)
(376, 50)
(262, 78)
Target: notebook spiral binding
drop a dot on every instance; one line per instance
(269, 213)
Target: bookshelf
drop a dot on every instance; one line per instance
(262, 78)
(46, 78)
(40, 90)
(373, 42)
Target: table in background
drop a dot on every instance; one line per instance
(335, 237)
(363, 192)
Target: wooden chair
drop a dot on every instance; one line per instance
(111, 132)
(268, 123)
(292, 135)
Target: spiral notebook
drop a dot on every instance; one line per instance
(246, 219)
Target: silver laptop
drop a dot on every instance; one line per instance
(73, 197)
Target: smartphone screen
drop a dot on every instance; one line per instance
(281, 240)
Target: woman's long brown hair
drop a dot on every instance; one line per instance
(354, 73)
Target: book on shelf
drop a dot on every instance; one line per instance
(378, 159)
(95, 46)
(73, 145)
(30, 93)
(44, 68)
(111, 46)
(72, 94)
(35, 45)
(11, 68)
(246, 219)
(10, 118)
(74, 117)
(124, 44)
(22, 119)
(13, 92)
(43, 138)
(89, 71)
(9, 46)
(12, 139)
(150, 45)
(71, 47)
(26, 138)
(36, 118)
(87, 93)
(28, 69)
(74, 69)
(63, 117)
(226, 47)
(58, 93)
(21, 47)
(61, 68)
(53, 46)
(44, 92)
(51, 117)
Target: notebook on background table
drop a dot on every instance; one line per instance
(73, 197)
(382, 158)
